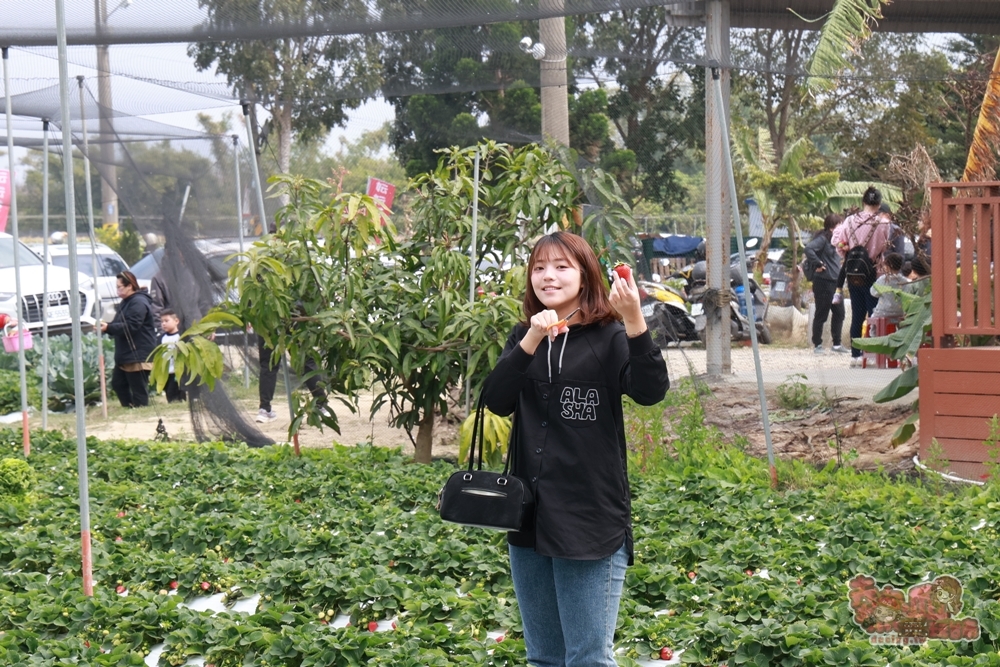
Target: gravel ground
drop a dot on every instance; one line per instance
(779, 362)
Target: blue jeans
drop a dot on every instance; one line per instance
(569, 608)
(862, 305)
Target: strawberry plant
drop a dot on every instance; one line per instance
(770, 567)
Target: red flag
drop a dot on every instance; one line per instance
(382, 192)
(5, 187)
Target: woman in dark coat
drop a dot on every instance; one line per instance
(135, 338)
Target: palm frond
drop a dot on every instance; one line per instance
(767, 160)
(791, 161)
(847, 25)
(845, 194)
(982, 161)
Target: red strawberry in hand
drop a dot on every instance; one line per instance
(666, 653)
(624, 271)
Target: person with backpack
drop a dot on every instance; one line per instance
(861, 239)
(822, 267)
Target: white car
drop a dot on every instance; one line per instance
(109, 265)
(33, 295)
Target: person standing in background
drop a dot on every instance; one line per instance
(867, 228)
(135, 339)
(826, 294)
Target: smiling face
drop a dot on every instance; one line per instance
(555, 279)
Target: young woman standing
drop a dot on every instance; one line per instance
(564, 382)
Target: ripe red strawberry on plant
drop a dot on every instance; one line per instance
(372, 626)
(623, 270)
(666, 653)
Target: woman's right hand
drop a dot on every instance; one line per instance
(541, 328)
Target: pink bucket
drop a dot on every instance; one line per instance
(12, 342)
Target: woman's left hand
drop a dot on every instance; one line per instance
(104, 326)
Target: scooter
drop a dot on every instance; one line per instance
(739, 324)
(668, 312)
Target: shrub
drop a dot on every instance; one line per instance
(10, 392)
(16, 478)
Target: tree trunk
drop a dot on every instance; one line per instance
(283, 125)
(425, 437)
(793, 237)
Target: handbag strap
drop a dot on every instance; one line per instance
(477, 431)
(478, 428)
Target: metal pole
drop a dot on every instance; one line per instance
(93, 254)
(45, 277)
(22, 310)
(74, 295)
(109, 177)
(473, 247)
(728, 160)
(239, 224)
(255, 169)
(184, 203)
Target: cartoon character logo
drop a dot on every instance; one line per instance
(925, 611)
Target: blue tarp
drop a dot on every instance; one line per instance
(676, 246)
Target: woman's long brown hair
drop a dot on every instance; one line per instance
(594, 303)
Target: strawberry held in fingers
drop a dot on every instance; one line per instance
(623, 270)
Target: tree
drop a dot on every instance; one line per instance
(304, 83)
(454, 86)
(655, 122)
(352, 164)
(335, 285)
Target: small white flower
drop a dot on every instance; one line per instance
(695, 598)
(810, 518)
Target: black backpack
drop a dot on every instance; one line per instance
(809, 269)
(858, 266)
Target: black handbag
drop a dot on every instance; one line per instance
(485, 499)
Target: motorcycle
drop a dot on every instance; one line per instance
(668, 312)
(695, 275)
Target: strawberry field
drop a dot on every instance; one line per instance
(727, 570)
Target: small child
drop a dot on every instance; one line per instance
(888, 303)
(170, 323)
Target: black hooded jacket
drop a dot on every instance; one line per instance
(133, 329)
(570, 433)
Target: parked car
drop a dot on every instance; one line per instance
(34, 298)
(109, 265)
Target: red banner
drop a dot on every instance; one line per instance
(382, 192)
(4, 198)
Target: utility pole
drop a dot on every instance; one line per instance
(107, 169)
(718, 339)
(555, 102)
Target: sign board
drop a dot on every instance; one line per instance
(5, 187)
(382, 192)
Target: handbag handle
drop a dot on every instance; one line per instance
(478, 428)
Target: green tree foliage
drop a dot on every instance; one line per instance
(657, 116)
(304, 83)
(470, 82)
(335, 285)
(354, 162)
